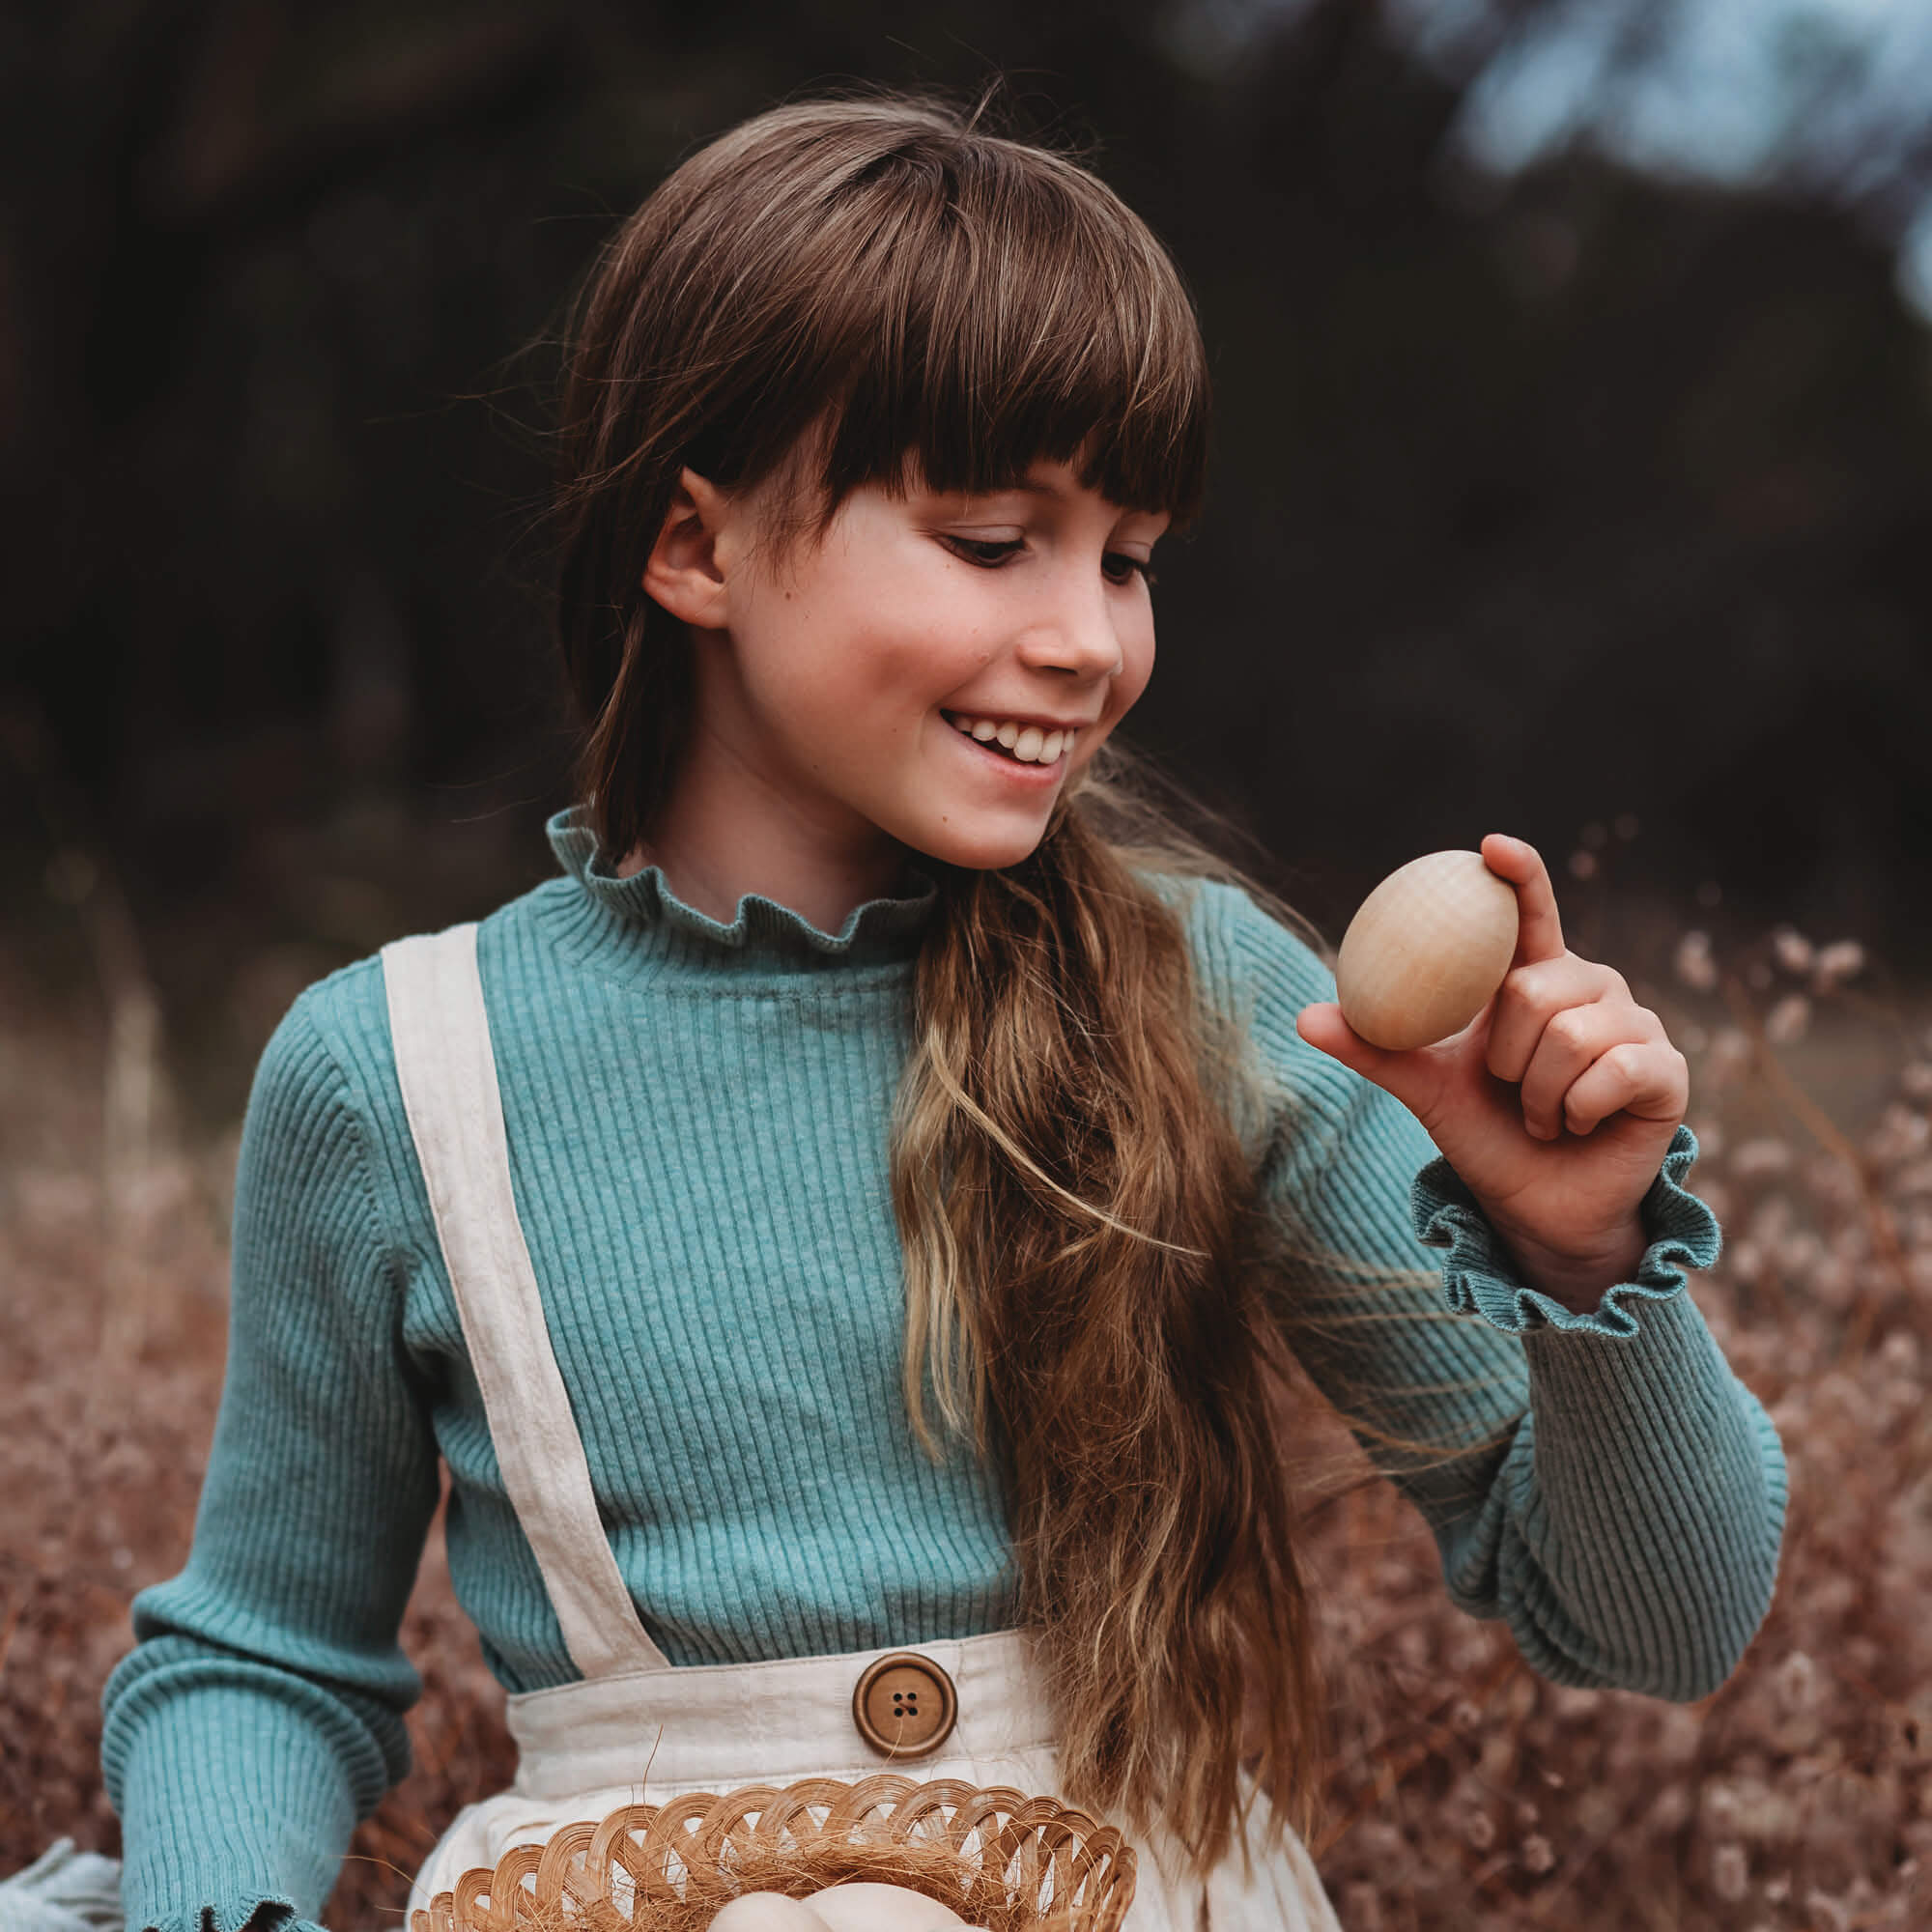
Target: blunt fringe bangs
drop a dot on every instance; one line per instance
(1014, 316)
(960, 299)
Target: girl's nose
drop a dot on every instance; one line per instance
(1077, 634)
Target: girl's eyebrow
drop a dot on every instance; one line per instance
(1021, 489)
(963, 501)
(1029, 487)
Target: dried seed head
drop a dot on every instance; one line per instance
(1843, 959)
(1796, 1682)
(1730, 1872)
(1793, 951)
(1696, 966)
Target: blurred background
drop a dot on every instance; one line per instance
(1574, 387)
(1572, 478)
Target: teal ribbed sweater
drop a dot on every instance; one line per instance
(697, 1121)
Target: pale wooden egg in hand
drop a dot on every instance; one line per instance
(1425, 950)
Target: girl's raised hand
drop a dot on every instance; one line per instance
(1554, 1104)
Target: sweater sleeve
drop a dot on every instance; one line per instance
(259, 1715)
(1600, 1481)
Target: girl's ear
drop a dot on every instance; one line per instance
(686, 570)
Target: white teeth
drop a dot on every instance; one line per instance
(1029, 744)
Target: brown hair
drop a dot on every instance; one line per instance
(822, 295)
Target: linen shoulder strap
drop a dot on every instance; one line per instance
(447, 1072)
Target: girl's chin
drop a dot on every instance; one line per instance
(983, 847)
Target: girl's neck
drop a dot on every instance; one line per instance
(714, 845)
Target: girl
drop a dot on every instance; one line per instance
(841, 1233)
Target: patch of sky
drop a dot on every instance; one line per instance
(1915, 262)
(1735, 92)
(1831, 97)
(1454, 36)
(1537, 92)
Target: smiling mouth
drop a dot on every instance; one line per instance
(1019, 744)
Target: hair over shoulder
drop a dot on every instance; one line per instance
(810, 303)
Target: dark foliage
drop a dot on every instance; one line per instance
(1526, 509)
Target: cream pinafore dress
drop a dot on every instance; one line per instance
(635, 1729)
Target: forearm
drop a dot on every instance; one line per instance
(1631, 1537)
(1626, 1525)
(236, 1783)
(261, 1711)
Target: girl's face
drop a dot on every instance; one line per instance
(843, 681)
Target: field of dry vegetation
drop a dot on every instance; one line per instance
(1464, 1791)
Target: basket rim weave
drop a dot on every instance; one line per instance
(1020, 1842)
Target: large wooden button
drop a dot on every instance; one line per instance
(904, 1704)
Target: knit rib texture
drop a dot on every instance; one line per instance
(697, 1117)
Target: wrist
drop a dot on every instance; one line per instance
(1578, 1281)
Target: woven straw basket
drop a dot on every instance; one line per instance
(998, 1858)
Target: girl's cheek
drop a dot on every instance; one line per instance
(1129, 689)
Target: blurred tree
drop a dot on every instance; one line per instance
(1538, 498)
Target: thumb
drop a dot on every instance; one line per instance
(1323, 1028)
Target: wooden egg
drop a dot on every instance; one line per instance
(1425, 950)
(767, 1912)
(858, 1906)
(852, 1907)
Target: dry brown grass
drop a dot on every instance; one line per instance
(1464, 1792)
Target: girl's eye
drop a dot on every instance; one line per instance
(988, 551)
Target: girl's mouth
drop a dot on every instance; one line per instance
(1015, 749)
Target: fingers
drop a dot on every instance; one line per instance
(1414, 1078)
(1575, 1044)
(1532, 997)
(1539, 927)
(1650, 1079)
(1323, 1028)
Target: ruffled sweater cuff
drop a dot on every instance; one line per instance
(1479, 1277)
(258, 1911)
(65, 1890)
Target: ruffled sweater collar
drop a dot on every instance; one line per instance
(641, 914)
